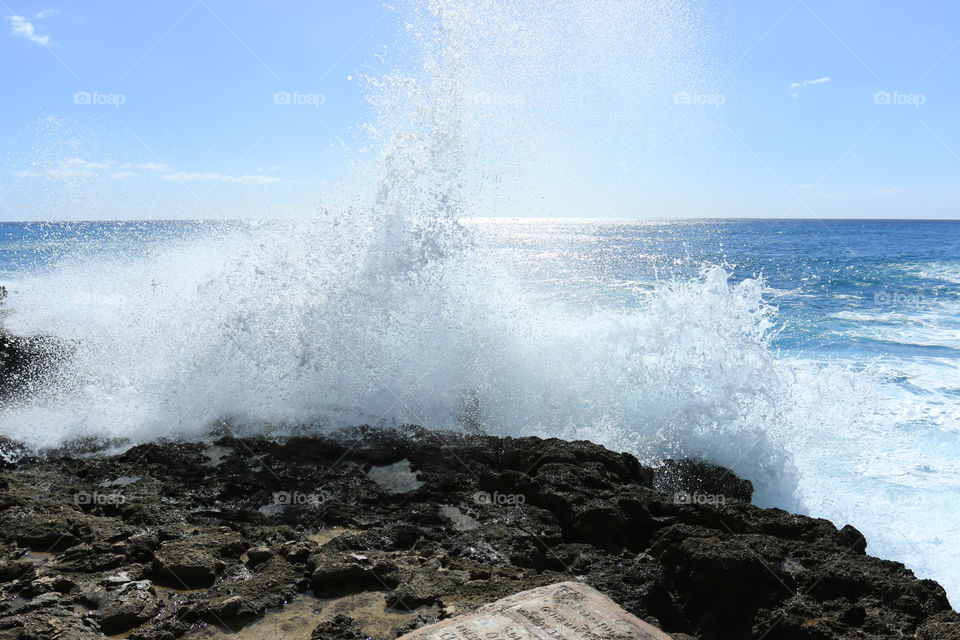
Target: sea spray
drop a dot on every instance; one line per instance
(256, 328)
(383, 309)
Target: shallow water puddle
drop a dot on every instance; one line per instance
(395, 478)
(215, 455)
(461, 521)
(298, 619)
(122, 481)
(173, 591)
(323, 536)
(37, 557)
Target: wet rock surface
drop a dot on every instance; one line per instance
(169, 538)
(22, 360)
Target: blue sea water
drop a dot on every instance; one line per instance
(819, 358)
(31, 247)
(880, 299)
(843, 288)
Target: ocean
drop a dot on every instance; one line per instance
(819, 359)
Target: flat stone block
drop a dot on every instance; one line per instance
(562, 611)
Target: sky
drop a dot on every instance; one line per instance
(238, 108)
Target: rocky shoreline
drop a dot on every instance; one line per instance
(172, 539)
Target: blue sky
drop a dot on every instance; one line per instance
(216, 108)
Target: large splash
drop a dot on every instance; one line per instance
(289, 324)
(385, 311)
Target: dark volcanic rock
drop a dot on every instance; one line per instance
(50, 621)
(700, 477)
(339, 574)
(339, 628)
(132, 604)
(22, 360)
(196, 560)
(231, 530)
(246, 597)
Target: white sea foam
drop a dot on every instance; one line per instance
(293, 323)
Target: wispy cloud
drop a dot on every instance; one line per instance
(77, 168)
(252, 179)
(46, 13)
(815, 191)
(81, 168)
(154, 166)
(70, 168)
(806, 83)
(890, 191)
(22, 27)
(182, 176)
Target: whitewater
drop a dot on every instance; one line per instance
(395, 304)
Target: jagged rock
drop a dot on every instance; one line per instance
(196, 561)
(340, 627)
(50, 584)
(536, 512)
(22, 360)
(274, 582)
(50, 621)
(341, 573)
(46, 532)
(701, 477)
(132, 604)
(942, 626)
(258, 555)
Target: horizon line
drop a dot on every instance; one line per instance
(469, 219)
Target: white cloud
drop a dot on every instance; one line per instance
(21, 27)
(890, 191)
(252, 179)
(806, 83)
(46, 13)
(153, 166)
(76, 168)
(181, 176)
(159, 167)
(80, 168)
